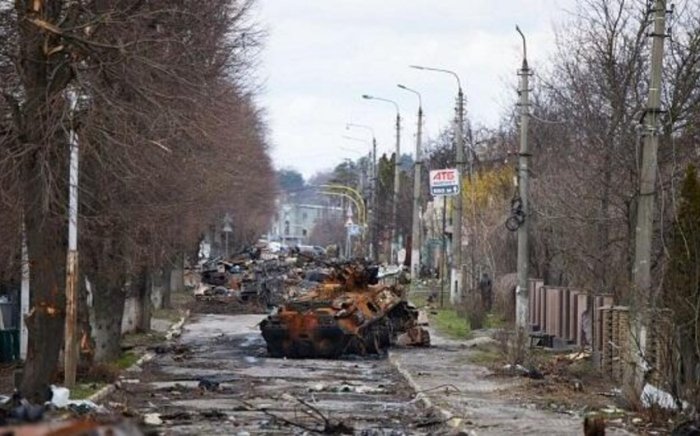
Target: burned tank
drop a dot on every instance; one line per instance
(350, 312)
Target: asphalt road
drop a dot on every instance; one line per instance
(261, 395)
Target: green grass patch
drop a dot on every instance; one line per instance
(448, 322)
(494, 321)
(419, 299)
(485, 356)
(180, 299)
(172, 315)
(143, 339)
(84, 390)
(126, 360)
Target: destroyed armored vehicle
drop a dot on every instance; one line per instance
(350, 312)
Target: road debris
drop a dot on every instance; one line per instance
(208, 385)
(518, 369)
(152, 419)
(653, 396)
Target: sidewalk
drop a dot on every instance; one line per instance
(471, 397)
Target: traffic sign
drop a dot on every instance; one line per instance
(444, 182)
(354, 230)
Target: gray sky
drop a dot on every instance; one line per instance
(322, 55)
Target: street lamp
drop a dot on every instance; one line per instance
(373, 152)
(415, 233)
(372, 187)
(456, 271)
(394, 229)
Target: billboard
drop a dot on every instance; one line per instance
(444, 182)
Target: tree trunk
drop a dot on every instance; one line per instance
(106, 319)
(167, 286)
(43, 165)
(45, 321)
(85, 302)
(143, 294)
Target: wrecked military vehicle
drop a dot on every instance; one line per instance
(349, 312)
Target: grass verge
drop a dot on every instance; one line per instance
(126, 360)
(448, 322)
(84, 390)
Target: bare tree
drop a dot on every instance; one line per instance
(162, 86)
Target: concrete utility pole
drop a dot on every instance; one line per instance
(24, 297)
(70, 352)
(641, 270)
(415, 234)
(371, 201)
(373, 224)
(521, 293)
(456, 270)
(397, 172)
(647, 180)
(395, 202)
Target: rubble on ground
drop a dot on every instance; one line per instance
(60, 416)
(254, 281)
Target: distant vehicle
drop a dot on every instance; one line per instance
(277, 247)
(312, 249)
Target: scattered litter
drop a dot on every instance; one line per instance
(152, 419)
(318, 387)
(480, 341)
(208, 385)
(61, 399)
(346, 387)
(27, 412)
(579, 355)
(652, 395)
(213, 414)
(521, 370)
(612, 410)
(60, 396)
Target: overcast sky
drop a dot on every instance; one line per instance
(322, 55)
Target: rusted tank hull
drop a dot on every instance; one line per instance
(349, 313)
(312, 335)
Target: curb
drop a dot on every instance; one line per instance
(174, 332)
(102, 393)
(451, 420)
(176, 329)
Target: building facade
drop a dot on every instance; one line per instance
(293, 223)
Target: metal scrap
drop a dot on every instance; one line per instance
(350, 312)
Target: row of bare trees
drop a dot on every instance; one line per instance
(586, 135)
(169, 137)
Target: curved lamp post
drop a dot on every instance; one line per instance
(394, 229)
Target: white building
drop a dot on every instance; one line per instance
(293, 223)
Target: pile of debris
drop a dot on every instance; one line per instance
(346, 312)
(255, 281)
(60, 416)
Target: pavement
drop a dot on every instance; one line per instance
(472, 398)
(421, 391)
(261, 395)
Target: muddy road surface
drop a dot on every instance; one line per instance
(217, 379)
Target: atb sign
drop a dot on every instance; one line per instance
(444, 182)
